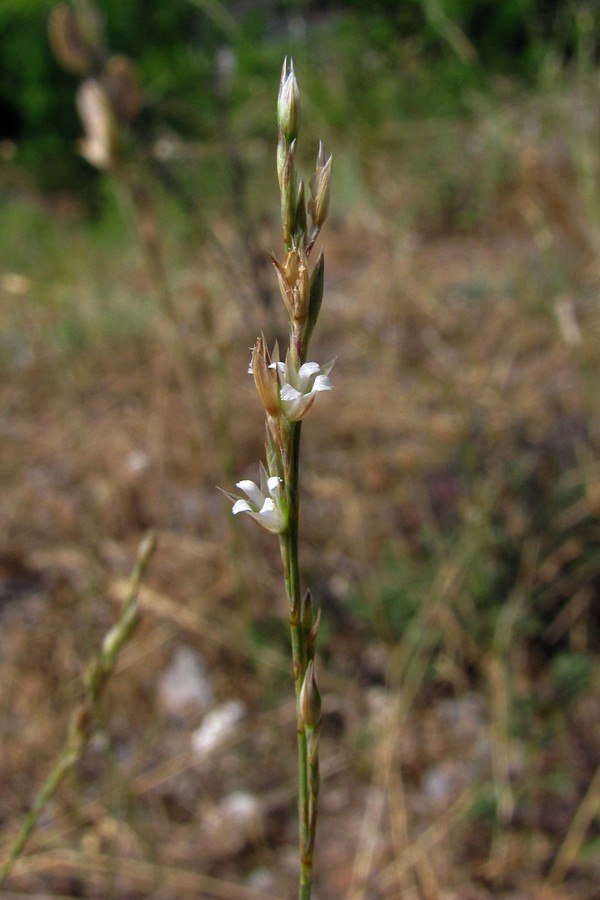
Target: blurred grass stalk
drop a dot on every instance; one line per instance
(84, 716)
(287, 391)
(109, 101)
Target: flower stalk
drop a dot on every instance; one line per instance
(288, 390)
(84, 716)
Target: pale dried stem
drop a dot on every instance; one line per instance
(413, 658)
(437, 833)
(81, 724)
(141, 876)
(586, 813)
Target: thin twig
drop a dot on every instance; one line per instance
(583, 818)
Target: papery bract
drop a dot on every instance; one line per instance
(265, 377)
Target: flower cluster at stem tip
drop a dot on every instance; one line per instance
(288, 389)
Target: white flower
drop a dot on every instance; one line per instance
(299, 387)
(264, 503)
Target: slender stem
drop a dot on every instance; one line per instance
(83, 716)
(300, 654)
(139, 209)
(290, 537)
(302, 293)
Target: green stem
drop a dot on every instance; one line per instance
(290, 537)
(301, 654)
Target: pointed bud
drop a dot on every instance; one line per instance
(288, 103)
(306, 611)
(147, 548)
(311, 641)
(265, 377)
(309, 701)
(317, 279)
(318, 206)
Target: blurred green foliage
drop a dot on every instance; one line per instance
(572, 674)
(366, 59)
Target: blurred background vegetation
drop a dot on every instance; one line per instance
(452, 530)
(372, 62)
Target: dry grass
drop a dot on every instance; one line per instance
(450, 532)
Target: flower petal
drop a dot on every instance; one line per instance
(241, 506)
(296, 408)
(322, 383)
(274, 486)
(289, 393)
(252, 491)
(270, 516)
(307, 370)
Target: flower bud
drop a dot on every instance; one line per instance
(288, 103)
(318, 206)
(311, 640)
(306, 611)
(309, 701)
(147, 548)
(316, 294)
